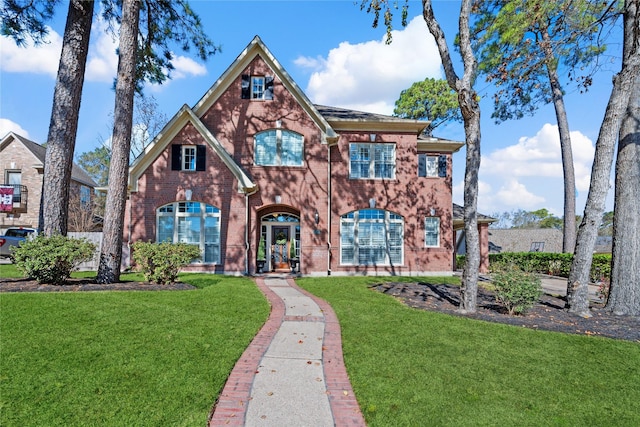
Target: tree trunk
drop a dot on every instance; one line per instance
(111, 251)
(569, 227)
(624, 292)
(64, 118)
(470, 109)
(577, 286)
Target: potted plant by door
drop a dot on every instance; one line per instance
(262, 257)
(293, 259)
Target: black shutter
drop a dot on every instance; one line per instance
(268, 87)
(422, 165)
(442, 166)
(246, 88)
(176, 157)
(201, 155)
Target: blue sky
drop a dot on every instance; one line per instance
(332, 52)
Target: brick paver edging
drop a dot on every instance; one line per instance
(231, 407)
(344, 405)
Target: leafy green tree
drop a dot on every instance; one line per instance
(523, 46)
(618, 104)
(96, 164)
(430, 99)
(606, 226)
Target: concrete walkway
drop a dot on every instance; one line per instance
(292, 373)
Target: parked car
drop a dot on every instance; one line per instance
(13, 237)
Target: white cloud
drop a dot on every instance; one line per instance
(102, 61)
(41, 59)
(373, 73)
(184, 67)
(7, 126)
(540, 156)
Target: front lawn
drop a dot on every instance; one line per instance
(123, 358)
(410, 367)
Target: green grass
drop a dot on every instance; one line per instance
(123, 358)
(410, 367)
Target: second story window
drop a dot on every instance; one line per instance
(14, 179)
(257, 87)
(278, 147)
(188, 157)
(85, 197)
(432, 166)
(368, 161)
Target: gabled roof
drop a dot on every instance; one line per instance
(175, 125)
(258, 48)
(77, 173)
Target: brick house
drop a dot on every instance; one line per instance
(22, 166)
(341, 192)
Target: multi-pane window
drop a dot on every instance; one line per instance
(537, 247)
(432, 166)
(278, 147)
(432, 231)
(257, 87)
(372, 161)
(371, 237)
(188, 158)
(192, 223)
(85, 197)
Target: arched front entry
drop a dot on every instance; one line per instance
(281, 233)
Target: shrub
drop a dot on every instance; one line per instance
(516, 289)
(161, 262)
(52, 259)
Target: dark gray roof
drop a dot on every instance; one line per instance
(458, 214)
(338, 113)
(77, 173)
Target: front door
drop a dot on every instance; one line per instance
(280, 241)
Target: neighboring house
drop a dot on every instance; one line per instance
(526, 240)
(22, 166)
(483, 228)
(254, 159)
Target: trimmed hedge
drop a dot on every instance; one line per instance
(554, 264)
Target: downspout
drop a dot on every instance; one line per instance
(129, 231)
(246, 234)
(329, 210)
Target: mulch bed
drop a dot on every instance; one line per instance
(548, 314)
(78, 285)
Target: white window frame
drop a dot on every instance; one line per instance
(430, 230)
(283, 139)
(375, 164)
(258, 87)
(178, 215)
(431, 165)
(358, 225)
(189, 157)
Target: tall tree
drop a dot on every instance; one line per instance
(430, 99)
(111, 251)
(162, 23)
(577, 286)
(470, 109)
(624, 291)
(22, 19)
(522, 45)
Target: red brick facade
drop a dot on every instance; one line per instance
(317, 193)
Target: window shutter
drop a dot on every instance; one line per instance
(176, 157)
(442, 166)
(422, 165)
(268, 87)
(246, 90)
(201, 155)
